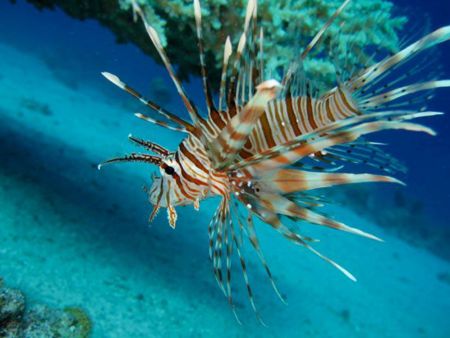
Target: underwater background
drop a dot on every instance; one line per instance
(75, 241)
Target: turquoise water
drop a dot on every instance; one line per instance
(73, 236)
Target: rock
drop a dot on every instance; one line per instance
(82, 320)
(11, 330)
(12, 305)
(12, 308)
(37, 321)
(43, 321)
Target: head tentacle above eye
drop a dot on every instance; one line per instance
(154, 147)
(134, 158)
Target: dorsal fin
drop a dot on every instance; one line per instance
(184, 126)
(223, 78)
(234, 80)
(315, 40)
(193, 113)
(204, 73)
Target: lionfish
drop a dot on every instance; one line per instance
(267, 143)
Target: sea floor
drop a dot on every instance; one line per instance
(73, 236)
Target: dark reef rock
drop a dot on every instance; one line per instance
(37, 320)
(12, 308)
(12, 304)
(285, 24)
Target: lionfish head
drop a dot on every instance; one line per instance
(163, 191)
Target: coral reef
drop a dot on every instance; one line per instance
(288, 25)
(36, 321)
(12, 308)
(81, 318)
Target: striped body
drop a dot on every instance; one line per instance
(268, 144)
(282, 121)
(288, 118)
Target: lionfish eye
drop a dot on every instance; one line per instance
(169, 170)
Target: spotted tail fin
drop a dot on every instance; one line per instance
(153, 35)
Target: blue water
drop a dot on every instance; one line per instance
(71, 235)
